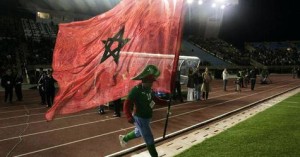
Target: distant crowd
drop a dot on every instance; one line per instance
(282, 56)
(12, 81)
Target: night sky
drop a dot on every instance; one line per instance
(261, 20)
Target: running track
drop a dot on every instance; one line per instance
(24, 131)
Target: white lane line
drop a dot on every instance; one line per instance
(17, 106)
(20, 116)
(36, 108)
(85, 139)
(42, 121)
(72, 126)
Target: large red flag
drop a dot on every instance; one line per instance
(94, 60)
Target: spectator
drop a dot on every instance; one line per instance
(264, 76)
(253, 74)
(7, 82)
(225, 78)
(49, 88)
(101, 109)
(294, 72)
(117, 107)
(18, 86)
(190, 85)
(242, 79)
(247, 77)
(198, 80)
(41, 88)
(205, 87)
(177, 89)
(238, 82)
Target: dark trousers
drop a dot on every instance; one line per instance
(117, 107)
(246, 81)
(225, 84)
(177, 91)
(205, 95)
(242, 82)
(18, 90)
(50, 97)
(43, 96)
(253, 81)
(101, 109)
(8, 93)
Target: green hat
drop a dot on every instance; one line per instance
(150, 72)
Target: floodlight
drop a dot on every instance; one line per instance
(214, 5)
(190, 1)
(200, 2)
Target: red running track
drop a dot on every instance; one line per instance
(24, 131)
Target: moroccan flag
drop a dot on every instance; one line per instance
(94, 60)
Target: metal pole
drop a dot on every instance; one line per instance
(167, 116)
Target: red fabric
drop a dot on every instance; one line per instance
(154, 29)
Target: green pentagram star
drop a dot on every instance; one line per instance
(115, 53)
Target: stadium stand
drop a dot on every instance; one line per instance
(27, 41)
(190, 49)
(222, 50)
(275, 53)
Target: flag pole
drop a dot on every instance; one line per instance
(175, 68)
(167, 116)
(172, 84)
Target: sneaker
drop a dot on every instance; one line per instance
(122, 142)
(101, 112)
(117, 115)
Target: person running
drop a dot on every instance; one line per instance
(138, 108)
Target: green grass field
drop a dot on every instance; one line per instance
(274, 132)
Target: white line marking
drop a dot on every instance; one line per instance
(21, 110)
(42, 132)
(42, 121)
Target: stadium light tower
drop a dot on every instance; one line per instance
(205, 19)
